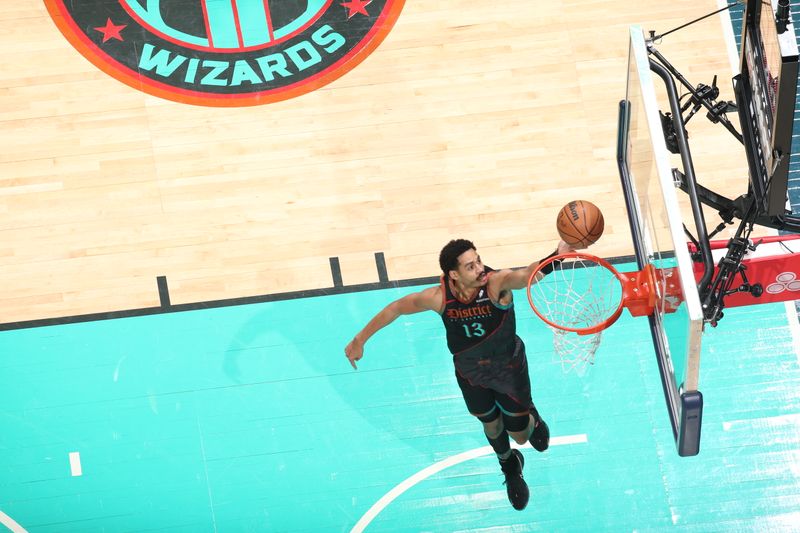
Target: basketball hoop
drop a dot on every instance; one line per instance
(584, 294)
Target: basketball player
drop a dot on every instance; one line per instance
(476, 306)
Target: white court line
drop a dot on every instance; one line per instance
(75, 464)
(778, 421)
(75, 469)
(11, 524)
(435, 468)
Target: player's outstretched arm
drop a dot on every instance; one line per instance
(518, 279)
(427, 300)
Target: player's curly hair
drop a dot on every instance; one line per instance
(448, 257)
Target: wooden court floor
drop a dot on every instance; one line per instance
(470, 119)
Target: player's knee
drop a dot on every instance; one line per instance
(493, 429)
(519, 437)
(489, 416)
(492, 423)
(518, 426)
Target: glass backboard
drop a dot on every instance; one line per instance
(658, 238)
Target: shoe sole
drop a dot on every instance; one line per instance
(542, 441)
(521, 458)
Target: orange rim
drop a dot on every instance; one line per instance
(593, 258)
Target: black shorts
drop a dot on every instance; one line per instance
(483, 402)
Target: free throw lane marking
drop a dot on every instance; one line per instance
(75, 464)
(435, 468)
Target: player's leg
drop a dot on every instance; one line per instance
(481, 404)
(540, 434)
(525, 425)
(518, 421)
(520, 416)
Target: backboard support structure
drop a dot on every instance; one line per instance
(765, 90)
(657, 232)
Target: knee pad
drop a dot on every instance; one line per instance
(516, 423)
(491, 416)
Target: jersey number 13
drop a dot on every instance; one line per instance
(474, 330)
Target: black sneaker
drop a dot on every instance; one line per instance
(516, 487)
(540, 438)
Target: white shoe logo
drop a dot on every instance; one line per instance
(785, 281)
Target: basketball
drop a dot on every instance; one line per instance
(580, 223)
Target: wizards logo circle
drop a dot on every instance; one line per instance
(225, 52)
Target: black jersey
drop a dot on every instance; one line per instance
(482, 337)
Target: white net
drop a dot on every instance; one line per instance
(579, 294)
(576, 352)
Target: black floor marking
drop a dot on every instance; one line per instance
(163, 291)
(245, 300)
(380, 263)
(336, 272)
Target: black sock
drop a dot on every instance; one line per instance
(501, 444)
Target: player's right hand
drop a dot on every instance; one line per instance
(354, 351)
(565, 248)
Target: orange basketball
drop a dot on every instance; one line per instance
(580, 223)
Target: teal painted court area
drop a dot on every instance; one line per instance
(250, 418)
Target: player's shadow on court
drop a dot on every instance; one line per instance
(404, 385)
